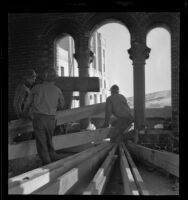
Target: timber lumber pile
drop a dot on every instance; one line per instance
(28, 148)
(137, 177)
(89, 170)
(98, 183)
(129, 179)
(40, 178)
(162, 159)
(71, 115)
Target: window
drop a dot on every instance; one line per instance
(104, 84)
(100, 83)
(103, 54)
(95, 98)
(99, 37)
(94, 62)
(62, 71)
(99, 59)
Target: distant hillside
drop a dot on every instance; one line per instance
(155, 100)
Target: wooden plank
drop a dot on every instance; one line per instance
(31, 181)
(71, 179)
(165, 112)
(28, 148)
(87, 84)
(70, 115)
(54, 165)
(137, 177)
(130, 187)
(103, 183)
(65, 182)
(163, 159)
(97, 184)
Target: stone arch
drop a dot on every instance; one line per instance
(55, 42)
(105, 22)
(60, 27)
(51, 33)
(169, 21)
(100, 19)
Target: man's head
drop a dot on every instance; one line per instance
(50, 75)
(114, 89)
(30, 76)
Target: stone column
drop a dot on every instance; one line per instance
(139, 52)
(84, 57)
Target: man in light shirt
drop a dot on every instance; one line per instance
(45, 98)
(117, 105)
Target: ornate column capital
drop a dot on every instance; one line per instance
(138, 52)
(84, 54)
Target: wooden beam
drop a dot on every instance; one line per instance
(70, 115)
(75, 176)
(31, 181)
(130, 187)
(97, 185)
(54, 165)
(86, 84)
(163, 159)
(76, 114)
(137, 177)
(165, 112)
(103, 183)
(28, 148)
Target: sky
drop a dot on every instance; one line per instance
(119, 69)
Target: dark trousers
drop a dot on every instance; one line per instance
(120, 124)
(44, 126)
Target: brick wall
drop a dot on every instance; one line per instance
(26, 48)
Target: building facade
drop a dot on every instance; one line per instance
(67, 66)
(98, 68)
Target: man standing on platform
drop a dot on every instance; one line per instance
(45, 98)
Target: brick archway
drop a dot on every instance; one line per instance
(99, 19)
(52, 32)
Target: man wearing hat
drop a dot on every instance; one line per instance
(117, 105)
(22, 93)
(44, 100)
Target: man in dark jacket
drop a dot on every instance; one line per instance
(22, 93)
(44, 100)
(117, 105)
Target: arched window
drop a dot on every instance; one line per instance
(158, 69)
(111, 63)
